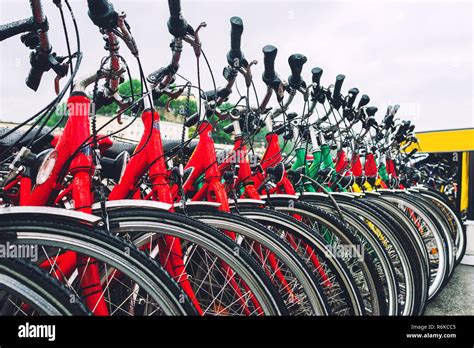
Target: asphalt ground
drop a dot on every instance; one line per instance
(457, 298)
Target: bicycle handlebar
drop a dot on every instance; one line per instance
(353, 92)
(39, 59)
(338, 85)
(296, 62)
(269, 53)
(364, 100)
(395, 109)
(175, 8)
(410, 155)
(317, 73)
(102, 13)
(235, 56)
(237, 28)
(14, 28)
(34, 77)
(371, 110)
(177, 25)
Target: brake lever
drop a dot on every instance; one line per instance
(122, 106)
(247, 73)
(61, 69)
(126, 35)
(194, 40)
(173, 95)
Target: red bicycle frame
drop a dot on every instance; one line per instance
(271, 158)
(203, 161)
(80, 165)
(149, 157)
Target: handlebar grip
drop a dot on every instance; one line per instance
(371, 110)
(177, 25)
(175, 8)
(236, 30)
(33, 79)
(296, 62)
(99, 7)
(338, 85)
(388, 121)
(353, 92)
(406, 125)
(364, 100)
(235, 58)
(229, 128)
(192, 120)
(102, 13)
(269, 55)
(317, 73)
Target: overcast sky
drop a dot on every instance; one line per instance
(415, 53)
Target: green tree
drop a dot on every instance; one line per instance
(180, 106)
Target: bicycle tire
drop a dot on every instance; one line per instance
(55, 232)
(36, 290)
(137, 221)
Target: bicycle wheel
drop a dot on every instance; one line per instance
(340, 237)
(434, 241)
(441, 222)
(26, 290)
(302, 291)
(345, 297)
(409, 274)
(339, 286)
(414, 251)
(128, 282)
(224, 278)
(399, 259)
(452, 216)
(408, 228)
(372, 244)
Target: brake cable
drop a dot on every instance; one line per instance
(34, 139)
(51, 107)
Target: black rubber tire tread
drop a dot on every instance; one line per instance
(307, 234)
(348, 233)
(365, 236)
(415, 255)
(408, 249)
(442, 222)
(42, 283)
(396, 213)
(375, 218)
(437, 218)
(155, 215)
(258, 228)
(436, 194)
(10, 224)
